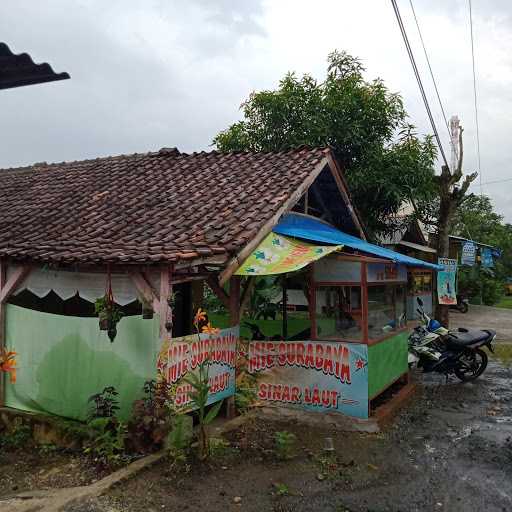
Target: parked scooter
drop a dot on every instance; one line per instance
(436, 349)
(462, 305)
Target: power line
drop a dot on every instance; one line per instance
(418, 79)
(475, 96)
(432, 76)
(494, 182)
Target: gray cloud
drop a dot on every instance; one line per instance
(173, 73)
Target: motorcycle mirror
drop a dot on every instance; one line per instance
(420, 302)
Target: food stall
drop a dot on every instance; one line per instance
(357, 303)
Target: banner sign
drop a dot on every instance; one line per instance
(386, 272)
(468, 255)
(446, 278)
(179, 357)
(278, 254)
(487, 257)
(317, 376)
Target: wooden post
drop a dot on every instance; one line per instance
(164, 308)
(364, 301)
(234, 319)
(3, 277)
(7, 288)
(284, 310)
(246, 294)
(234, 300)
(312, 302)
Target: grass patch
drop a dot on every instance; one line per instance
(505, 302)
(268, 327)
(503, 352)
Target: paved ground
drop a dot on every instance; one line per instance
(485, 317)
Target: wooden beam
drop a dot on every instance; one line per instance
(321, 201)
(235, 262)
(219, 259)
(219, 291)
(11, 284)
(339, 178)
(145, 288)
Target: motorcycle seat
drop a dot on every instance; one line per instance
(469, 337)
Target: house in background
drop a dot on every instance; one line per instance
(412, 241)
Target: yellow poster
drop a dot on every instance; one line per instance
(278, 254)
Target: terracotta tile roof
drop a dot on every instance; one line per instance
(146, 208)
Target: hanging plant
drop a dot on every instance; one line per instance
(8, 363)
(109, 313)
(147, 309)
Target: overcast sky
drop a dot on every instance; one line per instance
(162, 73)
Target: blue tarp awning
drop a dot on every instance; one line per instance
(308, 228)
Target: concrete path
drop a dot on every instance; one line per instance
(485, 317)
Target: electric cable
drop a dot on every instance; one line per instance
(433, 77)
(475, 96)
(418, 79)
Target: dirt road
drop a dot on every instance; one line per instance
(450, 450)
(485, 317)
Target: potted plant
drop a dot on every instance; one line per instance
(109, 314)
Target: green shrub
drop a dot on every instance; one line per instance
(106, 440)
(284, 443)
(17, 437)
(179, 437)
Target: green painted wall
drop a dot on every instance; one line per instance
(63, 360)
(387, 360)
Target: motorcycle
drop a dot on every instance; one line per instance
(462, 305)
(434, 348)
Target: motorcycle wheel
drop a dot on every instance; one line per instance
(463, 308)
(475, 364)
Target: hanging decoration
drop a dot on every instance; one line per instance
(487, 261)
(8, 363)
(109, 313)
(446, 279)
(468, 256)
(279, 254)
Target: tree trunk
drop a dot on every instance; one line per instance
(446, 214)
(451, 195)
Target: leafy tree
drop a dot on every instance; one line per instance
(386, 163)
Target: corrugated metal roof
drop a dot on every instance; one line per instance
(418, 247)
(20, 70)
(309, 228)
